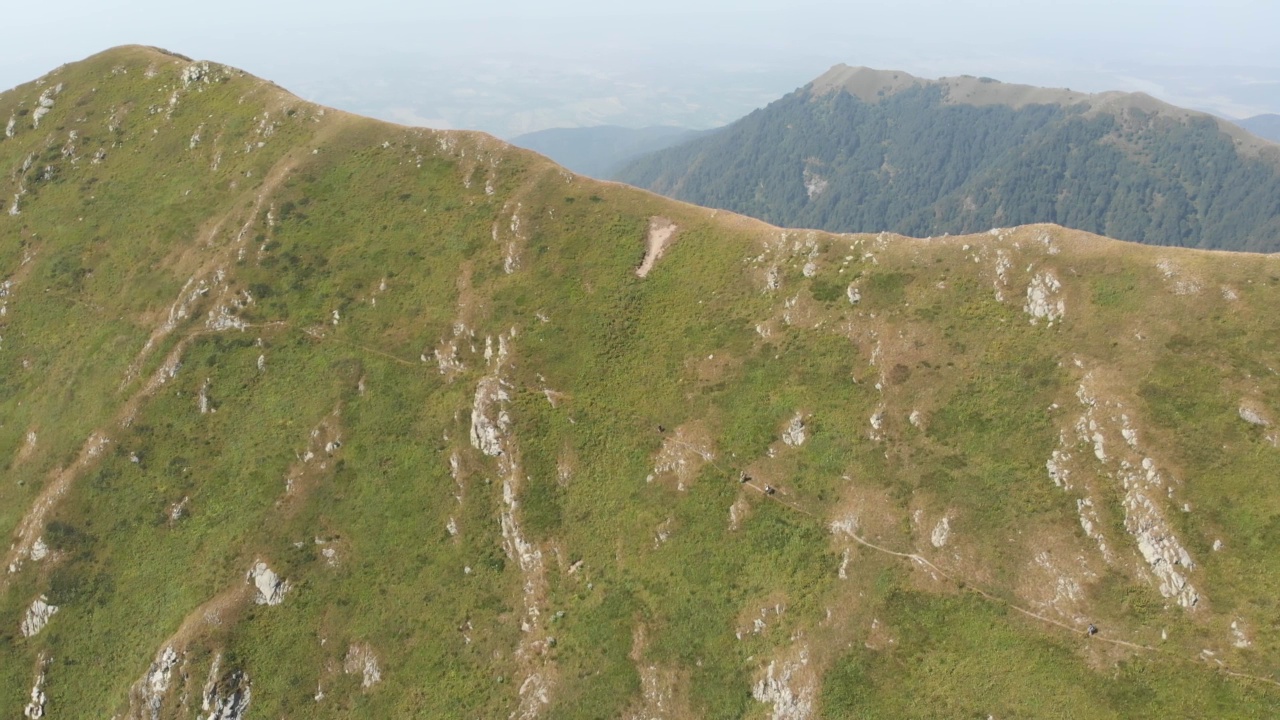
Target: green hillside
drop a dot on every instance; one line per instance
(860, 150)
(307, 415)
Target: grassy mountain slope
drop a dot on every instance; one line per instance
(863, 150)
(303, 414)
(603, 150)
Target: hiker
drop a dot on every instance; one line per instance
(1093, 630)
(768, 490)
(744, 478)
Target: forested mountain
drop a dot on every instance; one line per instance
(860, 150)
(303, 415)
(1264, 126)
(603, 150)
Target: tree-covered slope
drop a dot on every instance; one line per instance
(863, 151)
(306, 415)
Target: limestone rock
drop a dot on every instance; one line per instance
(941, 532)
(37, 616)
(795, 435)
(785, 685)
(227, 699)
(1044, 299)
(270, 586)
(362, 661)
(1253, 416)
(489, 420)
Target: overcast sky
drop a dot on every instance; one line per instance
(1192, 53)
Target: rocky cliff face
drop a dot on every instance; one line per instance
(307, 415)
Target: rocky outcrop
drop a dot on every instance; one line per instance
(1044, 299)
(37, 616)
(44, 105)
(35, 709)
(788, 686)
(490, 421)
(227, 698)
(941, 533)
(794, 434)
(149, 693)
(270, 587)
(491, 434)
(1253, 416)
(1142, 485)
(361, 660)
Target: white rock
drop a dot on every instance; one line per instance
(1253, 417)
(854, 294)
(1059, 473)
(941, 533)
(1043, 298)
(362, 661)
(773, 279)
(271, 587)
(39, 550)
(37, 616)
(785, 687)
(489, 421)
(227, 699)
(154, 685)
(1238, 637)
(794, 434)
(35, 709)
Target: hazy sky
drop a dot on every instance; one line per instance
(1220, 55)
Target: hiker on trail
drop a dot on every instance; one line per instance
(1093, 630)
(768, 490)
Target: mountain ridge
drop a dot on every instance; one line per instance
(869, 85)
(957, 155)
(304, 413)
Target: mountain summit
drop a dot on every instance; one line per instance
(308, 415)
(865, 150)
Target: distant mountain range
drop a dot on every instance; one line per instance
(1264, 126)
(866, 150)
(603, 150)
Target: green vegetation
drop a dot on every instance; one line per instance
(226, 353)
(917, 164)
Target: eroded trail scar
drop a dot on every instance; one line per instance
(33, 522)
(661, 233)
(198, 284)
